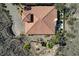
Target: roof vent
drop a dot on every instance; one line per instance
(30, 18)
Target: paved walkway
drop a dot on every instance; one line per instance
(17, 21)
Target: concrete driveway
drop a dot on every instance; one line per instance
(18, 26)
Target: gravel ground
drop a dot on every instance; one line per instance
(72, 47)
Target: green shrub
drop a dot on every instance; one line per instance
(50, 45)
(53, 41)
(26, 46)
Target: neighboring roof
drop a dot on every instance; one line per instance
(44, 20)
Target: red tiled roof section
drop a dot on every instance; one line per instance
(44, 20)
(41, 11)
(50, 18)
(40, 28)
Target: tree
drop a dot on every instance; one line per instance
(60, 6)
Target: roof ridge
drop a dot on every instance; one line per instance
(24, 21)
(32, 26)
(47, 26)
(47, 15)
(41, 20)
(37, 22)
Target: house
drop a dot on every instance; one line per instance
(39, 19)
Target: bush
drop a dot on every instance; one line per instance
(43, 44)
(3, 5)
(56, 39)
(22, 34)
(70, 35)
(70, 22)
(26, 46)
(50, 45)
(53, 41)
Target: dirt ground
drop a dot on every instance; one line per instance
(72, 47)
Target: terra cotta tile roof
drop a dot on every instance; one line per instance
(44, 20)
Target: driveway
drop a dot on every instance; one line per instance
(17, 21)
